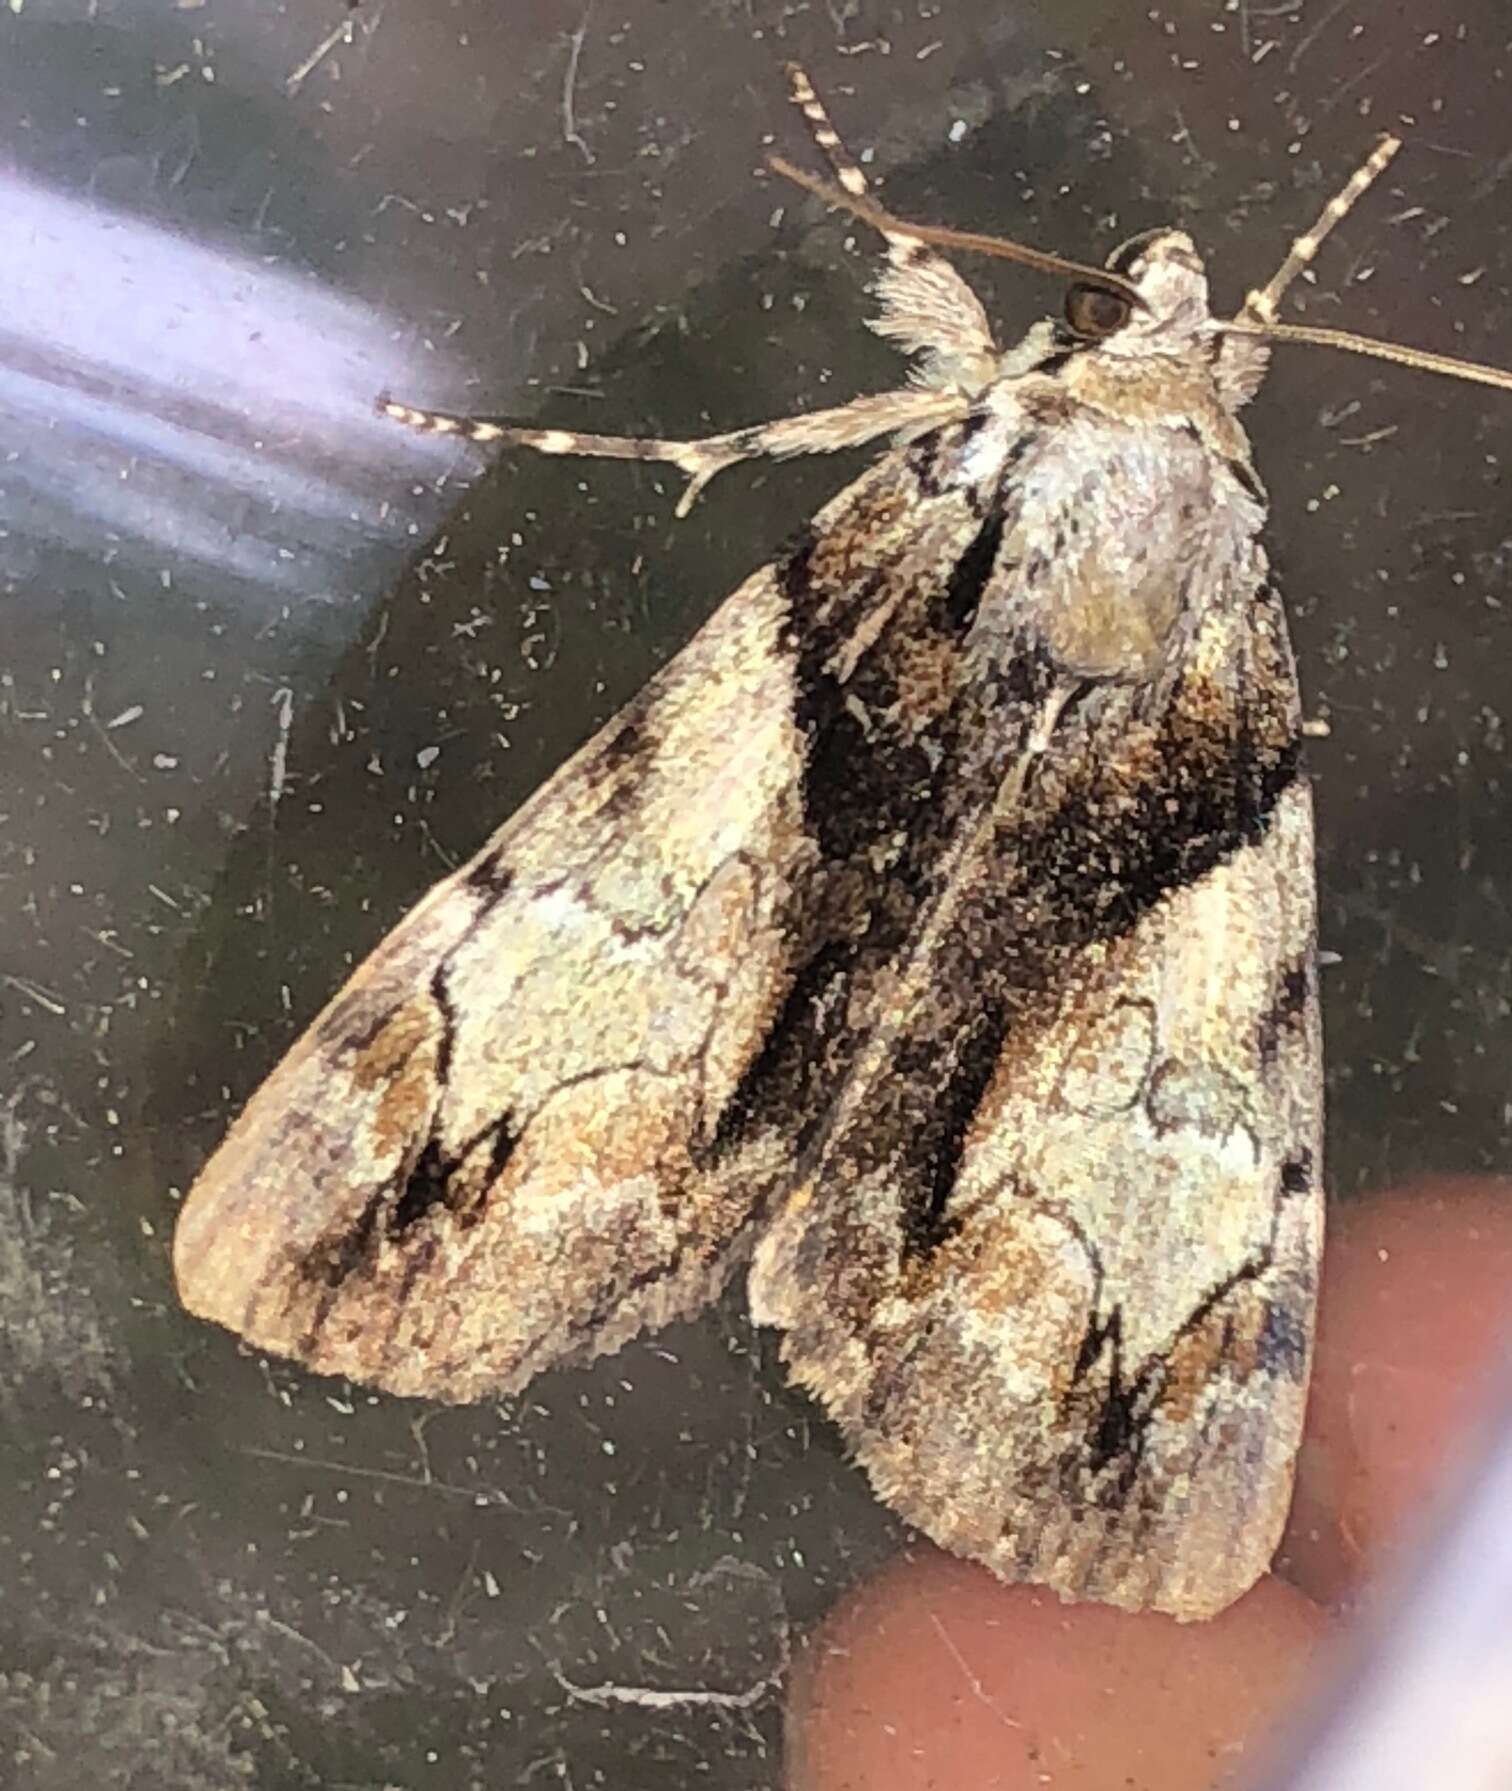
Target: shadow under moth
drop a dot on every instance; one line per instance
(933, 937)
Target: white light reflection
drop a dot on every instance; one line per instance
(186, 402)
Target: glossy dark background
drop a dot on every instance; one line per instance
(269, 666)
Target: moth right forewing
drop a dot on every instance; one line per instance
(1175, 1174)
(545, 1111)
(1029, 1284)
(1065, 1316)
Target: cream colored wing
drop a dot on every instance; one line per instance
(1054, 1266)
(529, 1125)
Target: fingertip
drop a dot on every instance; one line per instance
(1416, 1298)
(934, 1673)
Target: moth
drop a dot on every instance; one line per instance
(932, 938)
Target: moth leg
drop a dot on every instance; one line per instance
(906, 413)
(827, 139)
(927, 307)
(1261, 306)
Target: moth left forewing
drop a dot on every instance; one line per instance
(477, 1159)
(545, 1111)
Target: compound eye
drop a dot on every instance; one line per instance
(1095, 311)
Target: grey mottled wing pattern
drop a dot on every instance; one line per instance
(883, 934)
(1052, 1263)
(537, 1118)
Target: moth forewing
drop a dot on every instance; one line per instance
(519, 1135)
(467, 1168)
(937, 930)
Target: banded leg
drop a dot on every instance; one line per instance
(905, 412)
(847, 169)
(1258, 318)
(927, 307)
(1260, 307)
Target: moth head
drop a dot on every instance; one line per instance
(1152, 296)
(1158, 297)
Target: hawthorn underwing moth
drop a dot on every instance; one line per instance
(933, 938)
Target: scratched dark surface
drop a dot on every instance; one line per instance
(269, 666)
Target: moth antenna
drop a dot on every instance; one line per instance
(1258, 316)
(940, 237)
(1478, 372)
